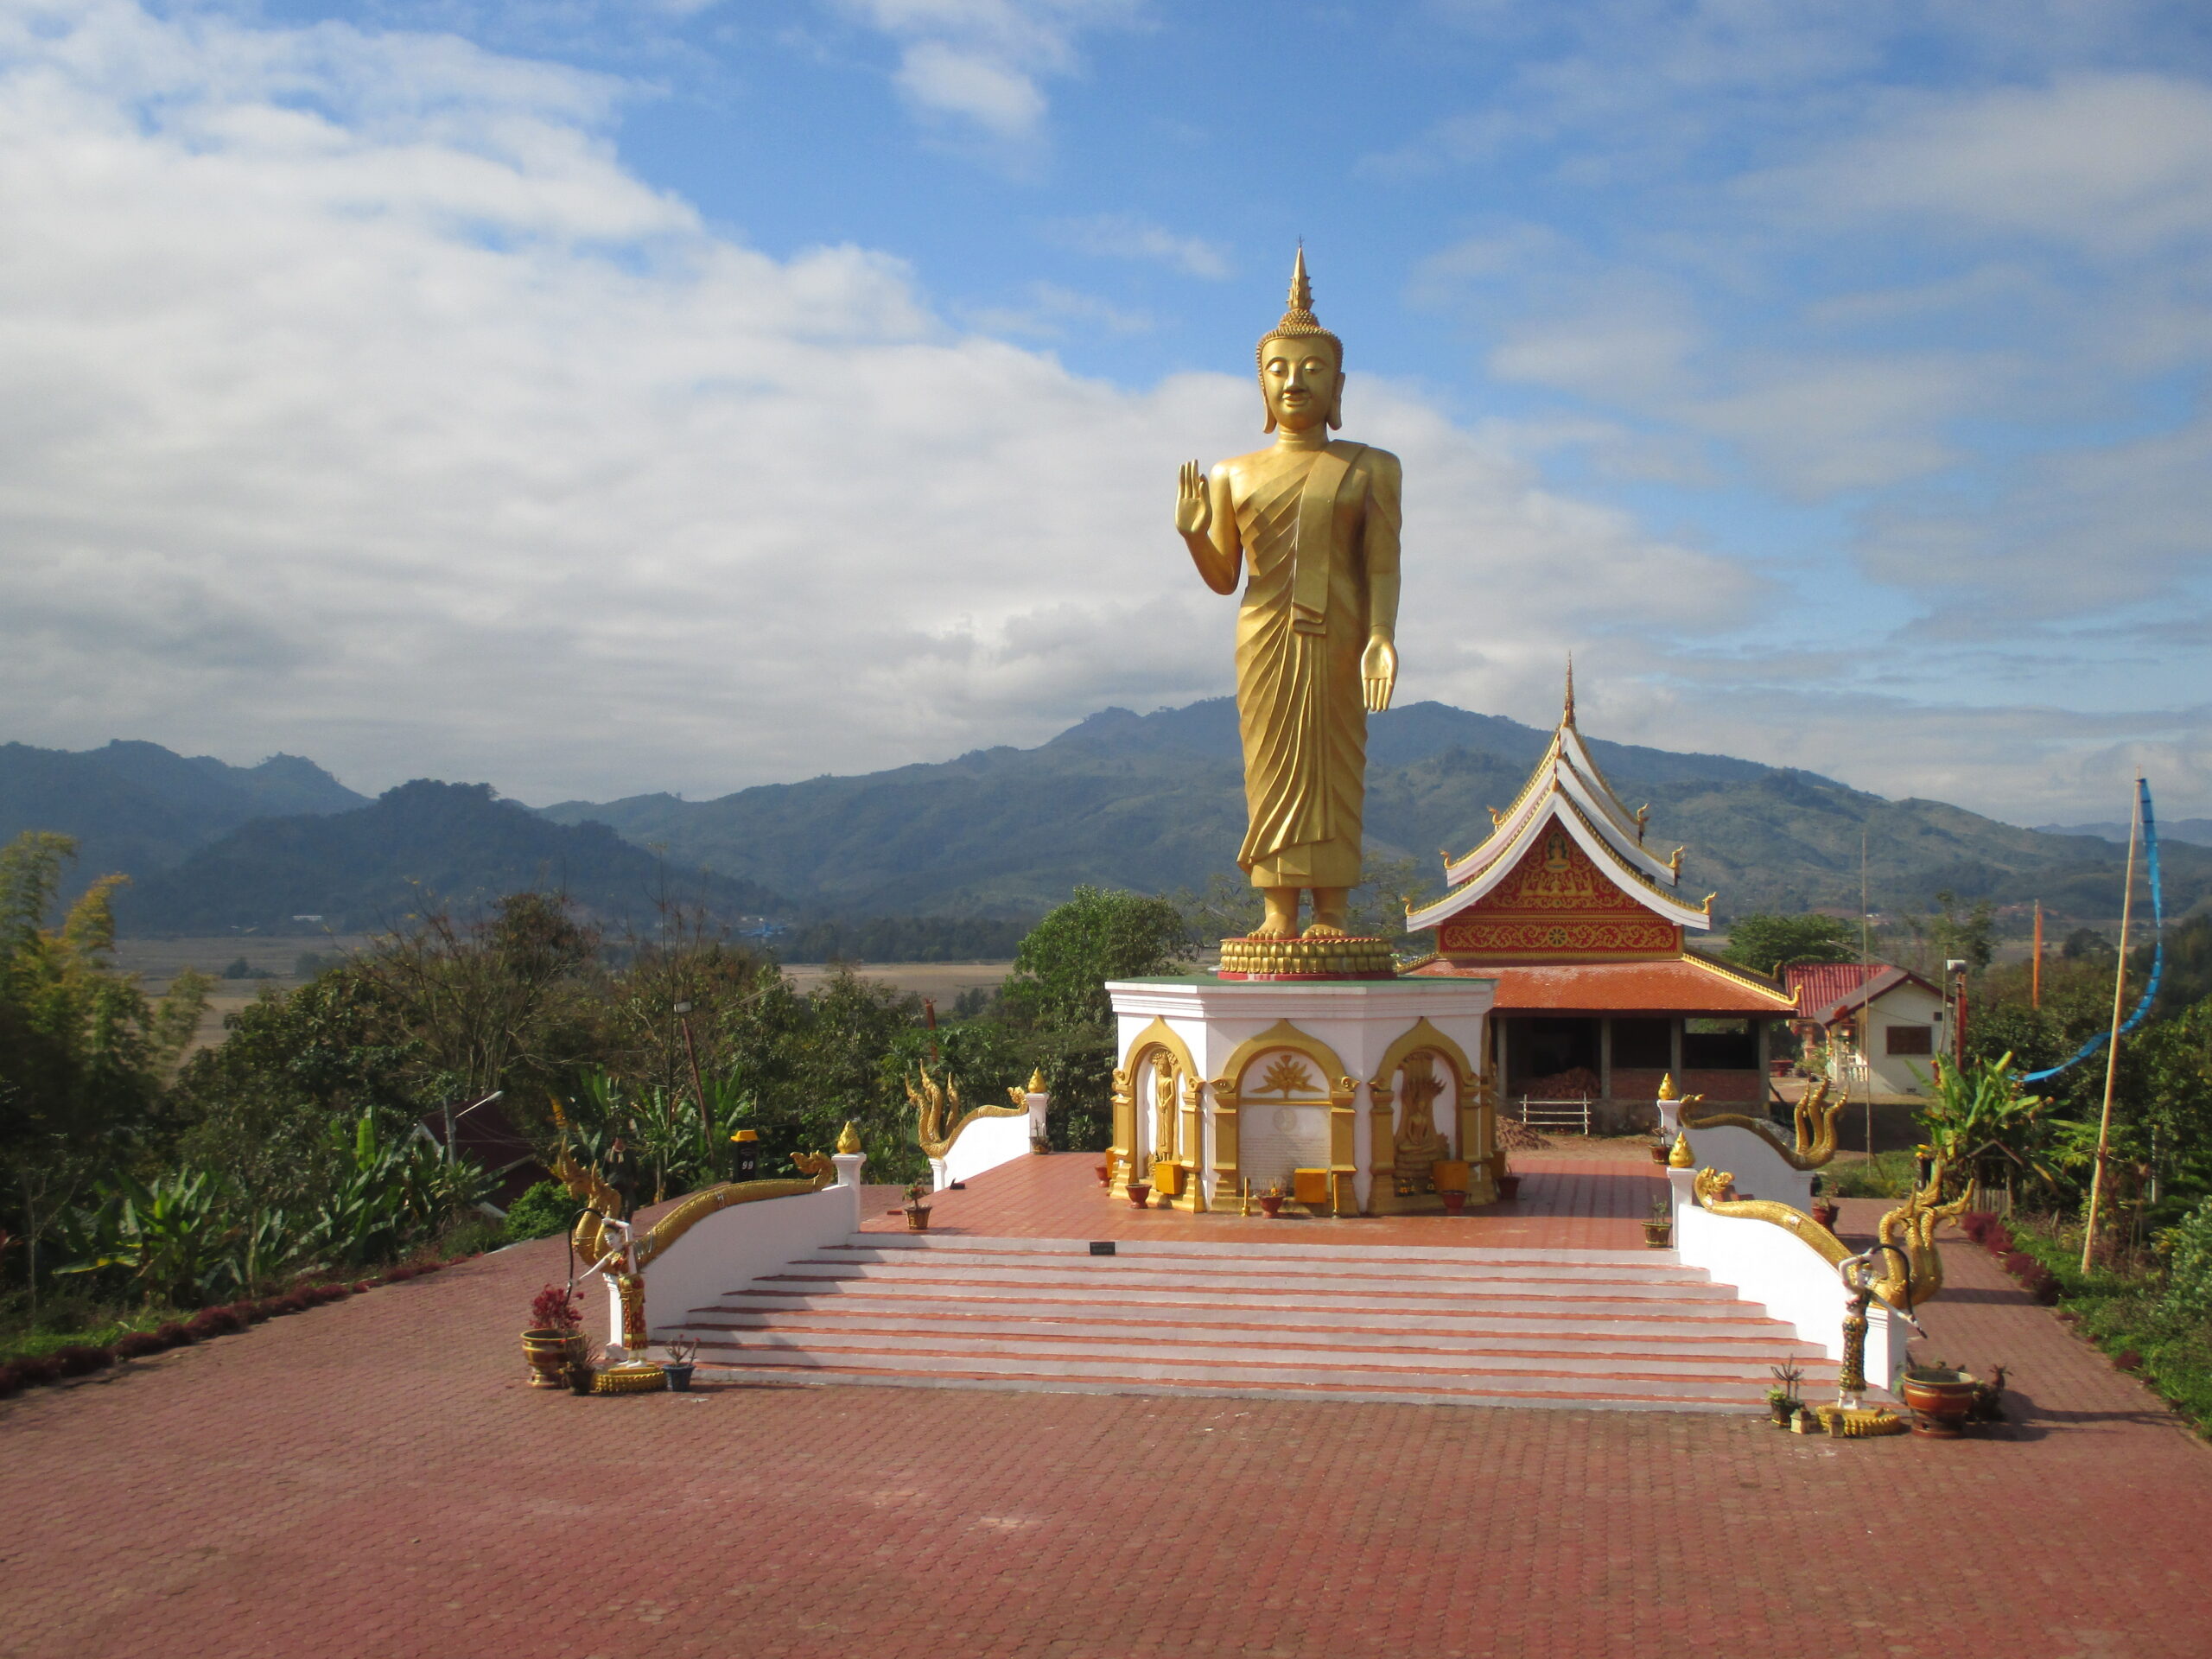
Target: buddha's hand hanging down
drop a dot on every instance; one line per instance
(1378, 673)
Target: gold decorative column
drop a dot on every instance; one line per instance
(1120, 1157)
(1382, 1148)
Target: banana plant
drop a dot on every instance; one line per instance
(170, 1238)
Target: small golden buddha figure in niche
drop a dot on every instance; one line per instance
(1418, 1145)
(1315, 521)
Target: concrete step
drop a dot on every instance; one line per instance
(1770, 1344)
(1297, 1321)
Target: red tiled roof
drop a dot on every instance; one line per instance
(1685, 985)
(1823, 987)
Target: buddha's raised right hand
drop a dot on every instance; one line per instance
(1193, 504)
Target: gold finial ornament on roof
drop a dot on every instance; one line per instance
(1678, 1156)
(1567, 719)
(1036, 1079)
(1314, 522)
(848, 1139)
(1667, 1086)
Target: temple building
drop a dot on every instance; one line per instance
(1600, 995)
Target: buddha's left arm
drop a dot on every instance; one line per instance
(1378, 668)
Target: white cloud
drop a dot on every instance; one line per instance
(984, 61)
(356, 402)
(2109, 164)
(1051, 310)
(1126, 236)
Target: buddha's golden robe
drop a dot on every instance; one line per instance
(1300, 629)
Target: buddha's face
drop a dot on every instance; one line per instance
(1301, 379)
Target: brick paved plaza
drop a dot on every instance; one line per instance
(373, 1479)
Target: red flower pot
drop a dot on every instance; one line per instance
(1939, 1401)
(1272, 1203)
(1105, 1174)
(1509, 1187)
(1825, 1210)
(1141, 1194)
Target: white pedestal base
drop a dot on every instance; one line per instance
(1222, 1083)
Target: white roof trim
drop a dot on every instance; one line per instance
(1507, 853)
(1566, 768)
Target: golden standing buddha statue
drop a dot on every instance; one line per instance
(1316, 519)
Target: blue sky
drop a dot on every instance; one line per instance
(599, 398)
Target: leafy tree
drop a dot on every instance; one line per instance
(1057, 993)
(83, 1053)
(1955, 931)
(1767, 944)
(1060, 972)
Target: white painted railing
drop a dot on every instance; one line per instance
(986, 1142)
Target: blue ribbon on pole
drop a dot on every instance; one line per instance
(2157, 949)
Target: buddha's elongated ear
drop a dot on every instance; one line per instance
(1337, 405)
(1265, 404)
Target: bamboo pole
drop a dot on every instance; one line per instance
(2035, 973)
(2112, 1048)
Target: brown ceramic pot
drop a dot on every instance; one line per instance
(1825, 1210)
(1141, 1194)
(1271, 1203)
(917, 1217)
(1454, 1202)
(1939, 1401)
(1509, 1187)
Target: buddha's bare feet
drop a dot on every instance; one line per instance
(1281, 919)
(1324, 930)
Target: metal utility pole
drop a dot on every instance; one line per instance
(2111, 1048)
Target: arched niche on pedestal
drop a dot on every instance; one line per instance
(1156, 1052)
(1294, 1077)
(1460, 1112)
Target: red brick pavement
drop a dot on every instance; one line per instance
(372, 1479)
(1565, 1202)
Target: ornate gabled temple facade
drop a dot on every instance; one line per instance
(1585, 931)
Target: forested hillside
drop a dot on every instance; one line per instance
(1155, 802)
(422, 845)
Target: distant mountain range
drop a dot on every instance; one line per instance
(2195, 831)
(1151, 802)
(137, 807)
(1156, 802)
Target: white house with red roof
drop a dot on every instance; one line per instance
(1879, 1026)
(1586, 929)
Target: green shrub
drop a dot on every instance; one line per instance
(2188, 1280)
(546, 1209)
(1885, 1175)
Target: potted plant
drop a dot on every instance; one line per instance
(917, 1213)
(1940, 1397)
(1661, 1146)
(1271, 1200)
(1825, 1211)
(1106, 1173)
(1509, 1184)
(554, 1337)
(1659, 1226)
(1141, 1194)
(682, 1354)
(1782, 1401)
(581, 1373)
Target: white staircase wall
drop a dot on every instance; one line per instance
(1794, 1283)
(986, 1143)
(741, 1242)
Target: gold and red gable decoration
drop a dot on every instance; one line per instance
(1556, 905)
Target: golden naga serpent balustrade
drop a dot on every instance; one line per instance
(1916, 1274)
(934, 1102)
(1815, 1126)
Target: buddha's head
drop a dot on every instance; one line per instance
(1301, 364)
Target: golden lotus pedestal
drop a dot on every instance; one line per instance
(631, 1376)
(1307, 958)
